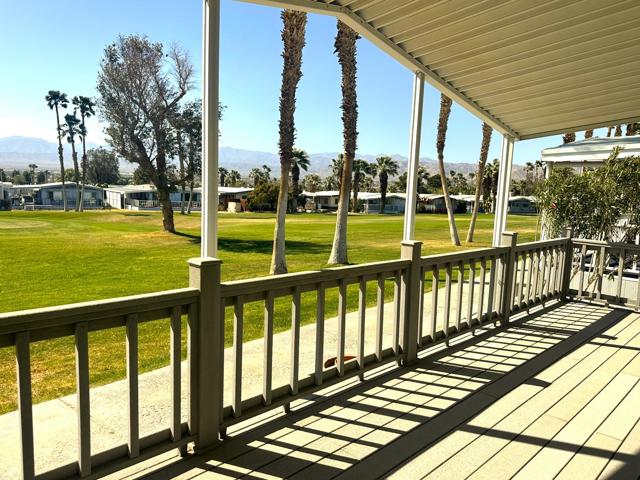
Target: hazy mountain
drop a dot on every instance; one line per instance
(19, 152)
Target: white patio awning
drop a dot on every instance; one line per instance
(529, 69)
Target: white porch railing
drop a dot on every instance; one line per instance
(515, 277)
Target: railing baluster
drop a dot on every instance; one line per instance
(25, 405)
(637, 291)
(268, 348)
(342, 316)
(529, 277)
(192, 355)
(542, 273)
(83, 405)
(492, 281)
(236, 389)
(514, 290)
(620, 274)
(472, 280)
(460, 293)
(600, 273)
(435, 281)
(520, 289)
(319, 333)
(132, 380)
(447, 299)
(380, 317)
(583, 257)
(175, 360)
(421, 306)
(483, 272)
(536, 275)
(396, 313)
(555, 259)
(295, 340)
(362, 312)
(547, 289)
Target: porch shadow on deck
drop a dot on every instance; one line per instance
(549, 394)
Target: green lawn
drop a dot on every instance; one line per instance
(52, 258)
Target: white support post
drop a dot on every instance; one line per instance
(504, 186)
(210, 77)
(414, 157)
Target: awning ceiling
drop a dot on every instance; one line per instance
(529, 68)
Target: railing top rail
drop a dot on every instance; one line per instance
(301, 279)
(461, 256)
(602, 243)
(554, 242)
(46, 317)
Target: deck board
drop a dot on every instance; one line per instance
(555, 393)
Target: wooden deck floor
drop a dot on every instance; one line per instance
(556, 395)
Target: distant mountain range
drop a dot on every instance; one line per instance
(18, 152)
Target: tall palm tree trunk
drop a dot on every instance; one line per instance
(76, 170)
(293, 31)
(384, 182)
(445, 110)
(345, 47)
(356, 189)
(61, 159)
(84, 172)
(484, 151)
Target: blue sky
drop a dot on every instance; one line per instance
(41, 52)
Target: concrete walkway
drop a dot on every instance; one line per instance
(55, 421)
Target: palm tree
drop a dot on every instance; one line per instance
(337, 164)
(234, 178)
(484, 152)
(569, 137)
(588, 134)
(345, 47)
(293, 32)
(223, 172)
(86, 107)
(256, 176)
(445, 110)
(423, 179)
(299, 161)
(384, 167)
(32, 169)
(55, 100)
(71, 130)
(361, 168)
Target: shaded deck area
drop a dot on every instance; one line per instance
(555, 394)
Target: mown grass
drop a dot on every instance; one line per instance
(53, 258)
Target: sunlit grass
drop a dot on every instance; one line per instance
(53, 258)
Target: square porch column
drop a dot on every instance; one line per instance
(504, 187)
(414, 157)
(210, 95)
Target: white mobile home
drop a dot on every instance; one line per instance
(145, 197)
(49, 196)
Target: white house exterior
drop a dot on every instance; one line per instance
(144, 197)
(394, 202)
(591, 152)
(48, 196)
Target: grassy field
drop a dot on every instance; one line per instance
(52, 258)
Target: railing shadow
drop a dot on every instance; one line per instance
(379, 424)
